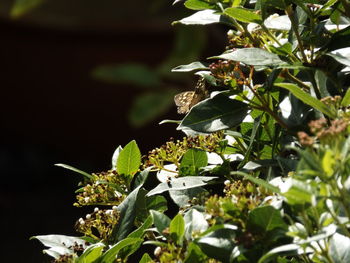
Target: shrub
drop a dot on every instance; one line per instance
(263, 173)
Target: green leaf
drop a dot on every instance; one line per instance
(278, 23)
(190, 67)
(339, 40)
(134, 74)
(115, 157)
(158, 203)
(328, 162)
(127, 214)
(266, 218)
(243, 15)
(253, 56)
(91, 253)
(341, 55)
(59, 244)
(182, 197)
(198, 5)
(308, 99)
(129, 159)
(20, 7)
(138, 233)
(149, 106)
(285, 50)
(204, 17)
(321, 81)
(160, 220)
(141, 178)
(257, 181)
(192, 160)
(195, 157)
(214, 114)
(181, 183)
(195, 222)
(194, 254)
(346, 100)
(252, 139)
(146, 259)
(297, 192)
(290, 249)
(110, 255)
(218, 244)
(177, 229)
(89, 176)
(209, 78)
(339, 249)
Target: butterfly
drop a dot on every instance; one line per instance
(187, 99)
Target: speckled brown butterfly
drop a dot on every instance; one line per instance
(187, 99)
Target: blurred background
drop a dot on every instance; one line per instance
(78, 78)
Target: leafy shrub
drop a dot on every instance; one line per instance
(263, 174)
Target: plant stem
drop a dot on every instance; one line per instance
(265, 107)
(314, 84)
(285, 74)
(240, 144)
(276, 117)
(290, 14)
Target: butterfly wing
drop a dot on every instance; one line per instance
(183, 101)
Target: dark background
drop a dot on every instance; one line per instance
(53, 111)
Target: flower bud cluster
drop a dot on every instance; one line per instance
(172, 151)
(333, 102)
(240, 198)
(105, 188)
(67, 258)
(100, 223)
(238, 40)
(228, 71)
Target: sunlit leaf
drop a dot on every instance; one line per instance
(204, 17)
(127, 211)
(307, 99)
(266, 218)
(110, 255)
(160, 220)
(181, 183)
(146, 259)
(87, 175)
(190, 67)
(346, 100)
(252, 56)
(339, 249)
(214, 114)
(177, 229)
(91, 253)
(198, 5)
(243, 15)
(129, 159)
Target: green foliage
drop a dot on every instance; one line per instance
(263, 174)
(21, 7)
(129, 159)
